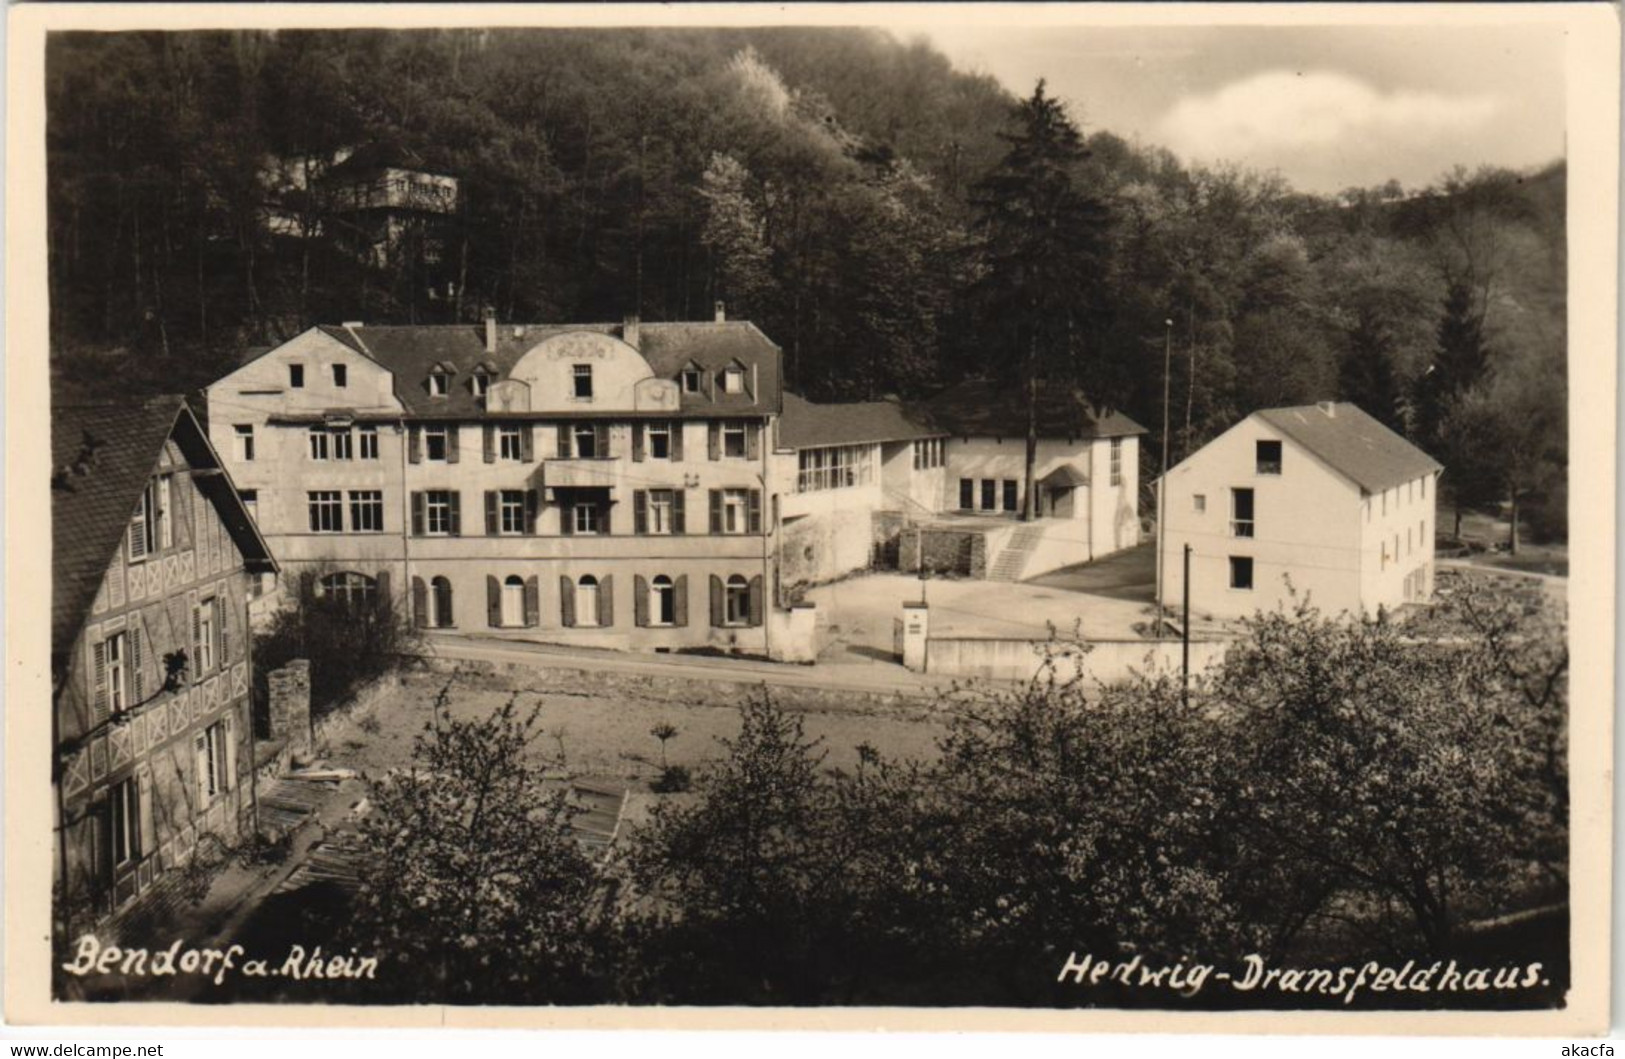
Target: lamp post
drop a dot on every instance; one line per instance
(1162, 479)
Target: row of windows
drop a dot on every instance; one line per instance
(730, 380)
(119, 674)
(659, 440)
(127, 822)
(1411, 544)
(513, 512)
(837, 467)
(588, 601)
(995, 493)
(327, 509)
(296, 375)
(1402, 494)
(929, 453)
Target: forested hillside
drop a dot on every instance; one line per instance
(850, 193)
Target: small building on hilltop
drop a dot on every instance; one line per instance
(154, 561)
(1320, 500)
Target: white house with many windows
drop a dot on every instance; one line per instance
(1320, 500)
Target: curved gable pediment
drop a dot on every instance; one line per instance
(553, 367)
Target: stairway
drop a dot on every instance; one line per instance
(1012, 558)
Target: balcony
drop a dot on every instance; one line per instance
(589, 473)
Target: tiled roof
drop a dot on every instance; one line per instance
(982, 408)
(805, 425)
(1353, 444)
(409, 352)
(101, 458)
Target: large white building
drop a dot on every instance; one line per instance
(1320, 500)
(637, 485)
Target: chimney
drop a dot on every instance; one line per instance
(1330, 408)
(490, 329)
(629, 330)
(722, 313)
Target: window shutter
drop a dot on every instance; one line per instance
(567, 518)
(716, 601)
(417, 514)
(640, 601)
(98, 667)
(640, 511)
(533, 601)
(488, 442)
(307, 590)
(753, 434)
(221, 638)
(493, 601)
(453, 432)
(527, 443)
(677, 521)
(564, 441)
(138, 683)
(200, 762)
(230, 782)
(420, 603)
(414, 443)
(456, 498)
(567, 602)
(606, 600)
(677, 442)
(680, 600)
(146, 819)
(138, 530)
(637, 442)
(755, 511)
(600, 440)
(713, 439)
(716, 511)
(490, 513)
(756, 600)
(197, 628)
(384, 596)
(530, 511)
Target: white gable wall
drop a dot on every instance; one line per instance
(1308, 525)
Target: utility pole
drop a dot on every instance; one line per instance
(1185, 635)
(1162, 479)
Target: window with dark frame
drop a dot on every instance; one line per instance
(1117, 461)
(1011, 495)
(508, 444)
(1268, 457)
(511, 512)
(124, 813)
(967, 494)
(659, 436)
(437, 512)
(733, 439)
(296, 376)
(341, 376)
(990, 494)
(690, 380)
(367, 440)
(245, 441)
(326, 511)
(581, 378)
(366, 511)
(585, 515)
(434, 443)
(1241, 572)
(585, 438)
(736, 601)
(1241, 512)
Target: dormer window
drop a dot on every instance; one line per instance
(479, 383)
(439, 383)
(690, 380)
(733, 380)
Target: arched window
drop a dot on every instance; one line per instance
(351, 589)
(513, 601)
(662, 601)
(440, 603)
(736, 601)
(587, 601)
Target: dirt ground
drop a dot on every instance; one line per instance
(607, 739)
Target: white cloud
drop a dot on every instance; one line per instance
(1283, 119)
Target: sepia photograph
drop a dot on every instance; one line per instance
(877, 512)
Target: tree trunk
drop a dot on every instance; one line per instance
(1512, 538)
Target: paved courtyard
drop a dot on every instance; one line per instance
(856, 615)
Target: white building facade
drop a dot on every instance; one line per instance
(1319, 502)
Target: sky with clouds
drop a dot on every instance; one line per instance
(1327, 107)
